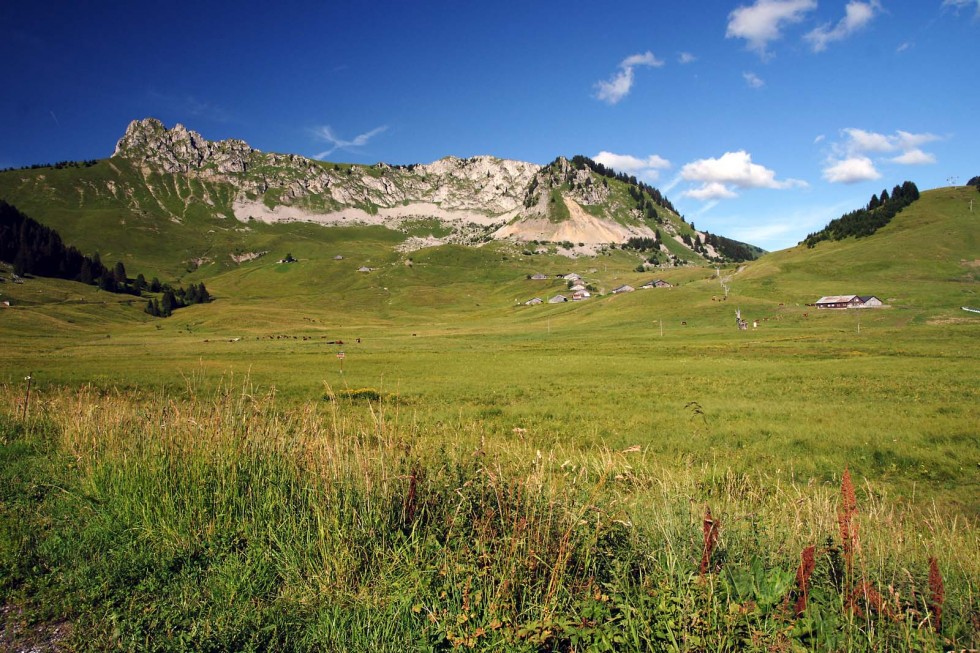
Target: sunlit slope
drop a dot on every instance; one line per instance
(927, 258)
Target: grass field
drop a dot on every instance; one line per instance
(226, 442)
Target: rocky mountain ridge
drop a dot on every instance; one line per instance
(176, 181)
(477, 198)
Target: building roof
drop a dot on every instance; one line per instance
(558, 299)
(626, 288)
(836, 299)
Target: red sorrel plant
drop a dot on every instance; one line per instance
(937, 595)
(845, 519)
(803, 572)
(711, 527)
(866, 593)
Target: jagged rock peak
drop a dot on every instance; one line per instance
(179, 149)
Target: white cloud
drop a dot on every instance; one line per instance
(686, 57)
(711, 191)
(629, 163)
(865, 141)
(818, 139)
(732, 169)
(644, 59)
(860, 142)
(851, 171)
(649, 167)
(907, 141)
(325, 133)
(764, 20)
(735, 168)
(961, 4)
(616, 88)
(857, 14)
(620, 84)
(850, 160)
(907, 45)
(753, 80)
(914, 157)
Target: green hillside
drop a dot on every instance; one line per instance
(924, 260)
(225, 463)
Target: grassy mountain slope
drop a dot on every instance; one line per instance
(166, 203)
(925, 259)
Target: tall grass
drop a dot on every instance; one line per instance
(221, 520)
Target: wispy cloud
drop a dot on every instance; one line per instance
(753, 80)
(956, 5)
(620, 84)
(863, 142)
(719, 177)
(649, 167)
(850, 159)
(763, 21)
(914, 157)
(713, 190)
(907, 45)
(857, 14)
(686, 58)
(325, 133)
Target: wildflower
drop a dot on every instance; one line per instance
(845, 519)
(803, 573)
(711, 527)
(937, 594)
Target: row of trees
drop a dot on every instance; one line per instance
(35, 249)
(60, 165)
(863, 222)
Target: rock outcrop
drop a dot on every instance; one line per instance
(175, 150)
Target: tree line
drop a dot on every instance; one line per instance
(60, 165)
(863, 222)
(35, 249)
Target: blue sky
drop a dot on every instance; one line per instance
(761, 120)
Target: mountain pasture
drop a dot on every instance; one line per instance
(305, 500)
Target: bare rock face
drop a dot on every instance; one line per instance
(181, 150)
(483, 184)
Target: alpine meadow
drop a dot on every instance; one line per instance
(515, 326)
(355, 429)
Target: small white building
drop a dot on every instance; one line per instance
(558, 299)
(622, 289)
(534, 302)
